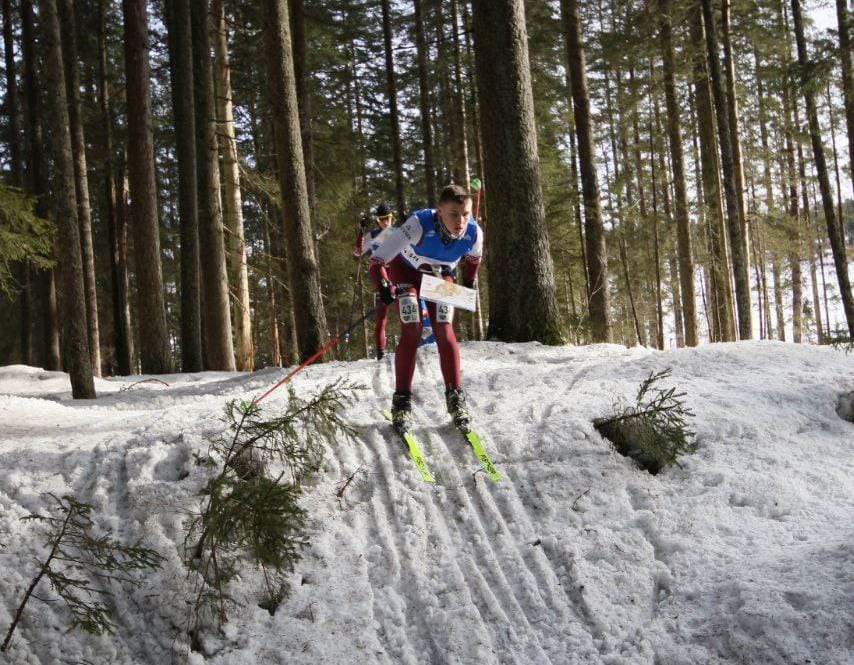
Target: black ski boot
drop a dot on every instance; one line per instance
(401, 410)
(380, 354)
(455, 399)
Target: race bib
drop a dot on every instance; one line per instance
(444, 313)
(410, 311)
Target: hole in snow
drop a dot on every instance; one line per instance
(845, 406)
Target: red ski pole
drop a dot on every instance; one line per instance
(317, 354)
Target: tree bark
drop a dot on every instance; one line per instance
(303, 269)
(842, 18)
(232, 204)
(720, 290)
(597, 256)
(37, 186)
(522, 293)
(674, 132)
(116, 223)
(68, 24)
(461, 153)
(216, 312)
(391, 87)
(73, 300)
(183, 104)
(15, 172)
(424, 102)
(837, 247)
(736, 237)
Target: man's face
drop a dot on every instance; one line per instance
(455, 216)
(383, 221)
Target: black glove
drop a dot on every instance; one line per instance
(469, 283)
(364, 222)
(386, 292)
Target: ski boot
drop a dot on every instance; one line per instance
(380, 354)
(401, 410)
(455, 399)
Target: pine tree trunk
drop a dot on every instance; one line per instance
(720, 291)
(816, 301)
(181, 72)
(843, 18)
(81, 179)
(461, 153)
(677, 302)
(117, 237)
(597, 257)
(153, 334)
(12, 97)
(216, 310)
(391, 87)
(730, 182)
(522, 293)
(837, 247)
(299, 45)
(424, 101)
(37, 186)
(15, 172)
(74, 315)
(232, 204)
(778, 298)
(303, 269)
(674, 132)
(735, 135)
(839, 209)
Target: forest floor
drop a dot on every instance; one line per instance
(744, 554)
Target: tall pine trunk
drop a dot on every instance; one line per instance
(153, 334)
(81, 179)
(216, 311)
(843, 18)
(736, 237)
(117, 235)
(73, 300)
(722, 318)
(522, 295)
(303, 269)
(597, 257)
(15, 172)
(424, 104)
(183, 107)
(394, 118)
(461, 153)
(836, 245)
(674, 132)
(48, 325)
(232, 204)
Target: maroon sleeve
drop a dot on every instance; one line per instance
(470, 266)
(377, 271)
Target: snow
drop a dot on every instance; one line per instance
(745, 554)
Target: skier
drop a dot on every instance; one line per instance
(430, 241)
(367, 241)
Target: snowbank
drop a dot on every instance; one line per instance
(744, 555)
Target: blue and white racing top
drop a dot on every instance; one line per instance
(419, 241)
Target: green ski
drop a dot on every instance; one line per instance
(414, 451)
(477, 445)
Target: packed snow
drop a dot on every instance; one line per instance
(744, 554)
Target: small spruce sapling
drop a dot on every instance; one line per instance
(653, 431)
(79, 563)
(250, 506)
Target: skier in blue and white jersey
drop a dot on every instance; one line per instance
(431, 241)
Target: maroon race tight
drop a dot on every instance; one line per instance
(446, 341)
(380, 322)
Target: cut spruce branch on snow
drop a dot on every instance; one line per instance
(250, 508)
(80, 565)
(653, 431)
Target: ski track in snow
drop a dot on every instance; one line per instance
(744, 555)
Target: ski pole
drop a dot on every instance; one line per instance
(317, 354)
